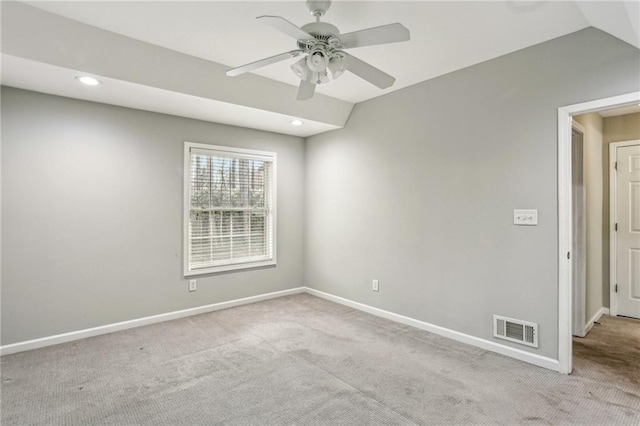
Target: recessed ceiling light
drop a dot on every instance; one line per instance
(296, 122)
(89, 81)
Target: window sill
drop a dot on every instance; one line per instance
(225, 268)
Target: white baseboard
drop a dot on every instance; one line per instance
(518, 354)
(124, 325)
(589, 325)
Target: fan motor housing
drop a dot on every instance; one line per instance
(321, 29)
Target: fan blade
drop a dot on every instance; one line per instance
(378, 35)
(370, 73)
(306, 90)
(263, 62)
(281, 24)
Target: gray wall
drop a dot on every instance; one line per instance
(92, 215)
(418, 190)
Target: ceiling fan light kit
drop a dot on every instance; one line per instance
(323, 48)
(318, 61)
(338, 65)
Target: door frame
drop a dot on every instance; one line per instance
(579, 308)
(565, 225)
(613, 215)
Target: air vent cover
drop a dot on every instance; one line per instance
(514, 330)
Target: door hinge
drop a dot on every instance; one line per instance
(616, 227)
(616, 288)
(615, 165)
(568, 255)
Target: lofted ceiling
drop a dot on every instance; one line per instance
(171, 56)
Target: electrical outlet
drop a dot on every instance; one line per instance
(375, 285)
(193, 285)
(525, 217)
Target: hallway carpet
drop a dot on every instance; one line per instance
(610, 352)
(300, 360)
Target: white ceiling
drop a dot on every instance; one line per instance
(445, 36)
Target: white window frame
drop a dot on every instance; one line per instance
(271, 214)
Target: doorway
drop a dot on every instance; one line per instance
(566, 218)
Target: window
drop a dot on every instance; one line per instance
(229, 208)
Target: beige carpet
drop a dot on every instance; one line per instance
(299, 360)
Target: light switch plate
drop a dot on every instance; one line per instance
(525, 217)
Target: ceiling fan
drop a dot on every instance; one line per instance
(321, 46)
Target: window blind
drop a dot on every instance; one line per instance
(230, 209)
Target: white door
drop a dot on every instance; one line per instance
(628, 231)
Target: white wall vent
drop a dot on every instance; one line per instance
(515, 330)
